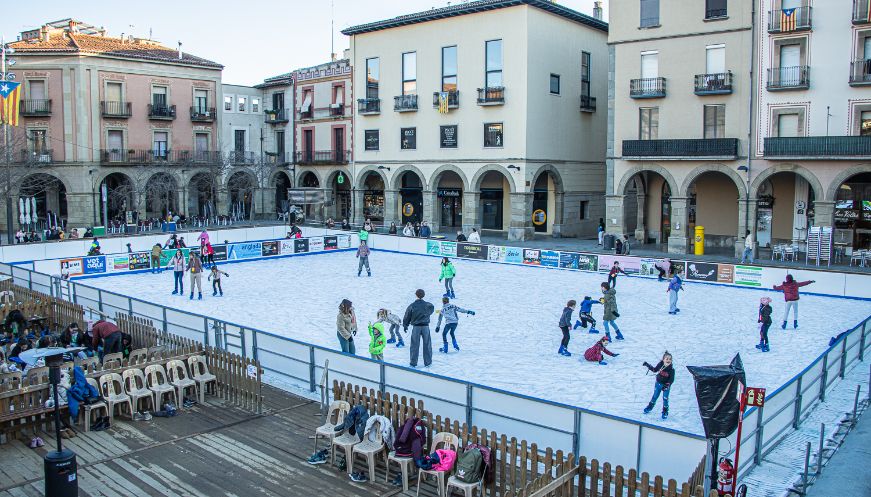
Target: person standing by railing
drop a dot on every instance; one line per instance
(346, 327)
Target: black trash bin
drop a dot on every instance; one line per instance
(609, 241)
(61, 479)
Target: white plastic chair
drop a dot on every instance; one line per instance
(156, 382)
(88, 409)
(337, 411)
(369, 449)
(448, 441)
(112, 388)
(200, 374)
(134, 385)
(178, 377)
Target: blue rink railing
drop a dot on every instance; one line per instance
(583, 431)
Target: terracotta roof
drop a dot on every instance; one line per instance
(473, 8)
(89, 44)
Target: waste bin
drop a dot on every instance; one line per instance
(699, 241)
(608, 240)
(61, 479)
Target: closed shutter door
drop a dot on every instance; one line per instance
(650, 66)
(113, 92)
(787, 125)
(202, 143)
(790, 58)
(37, 90)
(716, 60)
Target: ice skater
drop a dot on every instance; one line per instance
(675, 285)
(595, 353)
(612, 274)
(765, 323)
(790, 295)
(664, 378)
(385, 316)
(417, 316)
(203, 239)
(363, 257)
(178, 267)
(208, 254)
(449, 312)
(376, 341)
(565, 321)
(585, 316)
(609, 299)
(346, 327)
(664, 268)
(195, 266)
(215, 276)
(447, 274)
(156, 252)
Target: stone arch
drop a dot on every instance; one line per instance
(237, 170)
(301, 172)
(713, 168)
(50, 192)
(632, 171)
(396, 177)
(843, 176)
(436, 176)
(274, 175)
(160, 194)
(59, 177)
(331, 176)
(105, 173)
(479, 175)
(555, 174)
(360, 180)
(788, 168)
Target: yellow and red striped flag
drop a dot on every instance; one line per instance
(9, 101)
(787, 20)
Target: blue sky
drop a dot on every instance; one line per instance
(253, 39)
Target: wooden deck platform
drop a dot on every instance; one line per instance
(210, 450)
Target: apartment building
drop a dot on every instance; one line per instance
(682, 85)
(482, 114)
(122, 115)
(278, 139)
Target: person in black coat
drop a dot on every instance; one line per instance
(664, 378)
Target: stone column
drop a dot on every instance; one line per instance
(222, 203)
(181, 203)
(559, 214)
(614, 224)
(677, 241)
(80, 210)
(391, 214)
(357, 216)
(824, 213)
(521, 227)
(640, 227)
(746, 221)
(430, 204)
(471, 211)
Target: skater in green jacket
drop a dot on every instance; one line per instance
(448, 273)
(376, 341)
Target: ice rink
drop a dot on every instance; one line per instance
(512, 342)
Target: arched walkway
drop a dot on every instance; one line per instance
(783, 168)
(240, 189)
(281, 182)
(842, 177)
(478, 178)
(340, 182)
(449, 188)
(371, 183)
(647, 206)
(438, 173)
(396, 178)
(411, 185)
(851, 220)
(785, 206)
(160, 196)
(632, 171)
(120, 197)
(50, 195)
(713, 203)
(202, 192)
(713, 168)
(547, 188)
(496, 187)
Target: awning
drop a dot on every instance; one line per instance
(307, 102)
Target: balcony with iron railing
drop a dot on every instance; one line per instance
(697, 148)
(818, 147)
(240, 158)
(34, 156)
(322, 157)
(405, 103)
(588, 103)
(788, 78)
(161, 112)
(491, 95)
(789, 20)
(116, 110)
(368, 106)
(203, 114)
(714, 84)
(647, 88)
(276, 116)
(158, 157)
(306, 114)
(337, 110)
(453, 99)
(861, 12)
(860, 73)
(35, 108)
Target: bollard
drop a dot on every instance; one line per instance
(820, 453)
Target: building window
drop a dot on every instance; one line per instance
(554, 84)
(160, 147)
(255, 105)
(409, 73)
(585, 74)
(372, 139)
(584, 210)
(228, 103)
(448, 136)
(648, 123)
(493, 134)
(158, 97)
(649, 13)
(715, 59)
(787, 125)
(38, 140)
(373, 75)
(865, 125)
(715, 9)
(278, 101)
(279, 144)
(114, 93)
(201, 101)
(493, 55)
(715, 121)
(649, 66)
(115, 145)
(307, 102)
(408, 138)
(242, 103)
(449, 68)
(239, 140)
(36, 89)
(201, 145)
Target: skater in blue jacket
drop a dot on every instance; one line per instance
(584, 315)
(565, 321)
(674, 286)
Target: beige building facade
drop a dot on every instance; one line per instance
(481, 115)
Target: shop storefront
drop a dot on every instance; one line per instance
(451, 201)
(491, 208)
(853, 212)
(373, 205)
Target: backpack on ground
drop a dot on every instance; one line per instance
(470, 466)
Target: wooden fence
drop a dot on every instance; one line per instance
(58, 312)
(145, 335)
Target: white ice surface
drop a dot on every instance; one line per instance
(512, 342)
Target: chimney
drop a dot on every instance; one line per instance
(597, 10)
(179, 51)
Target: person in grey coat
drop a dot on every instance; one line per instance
(417, 316)
(363, 256)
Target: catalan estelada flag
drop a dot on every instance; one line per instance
(443, 102)
(787, 20)
(9, 101)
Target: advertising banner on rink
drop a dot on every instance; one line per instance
(631, 265)
(532, 257)
(472, 250)
(550, 258)
(248, 250)
(577, 260)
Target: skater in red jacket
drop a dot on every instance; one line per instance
(594, 353)
(790, 294)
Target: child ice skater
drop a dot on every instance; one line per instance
(609, 299)
(215, 276)
(664, 378)
(447, 274)
(584, 315)
(376, 341)
(449, 312)
(675, 285)
(363, 256)
(385, 316)
(595, 353)
(612, 274)
(565, 321)
(765, 319)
